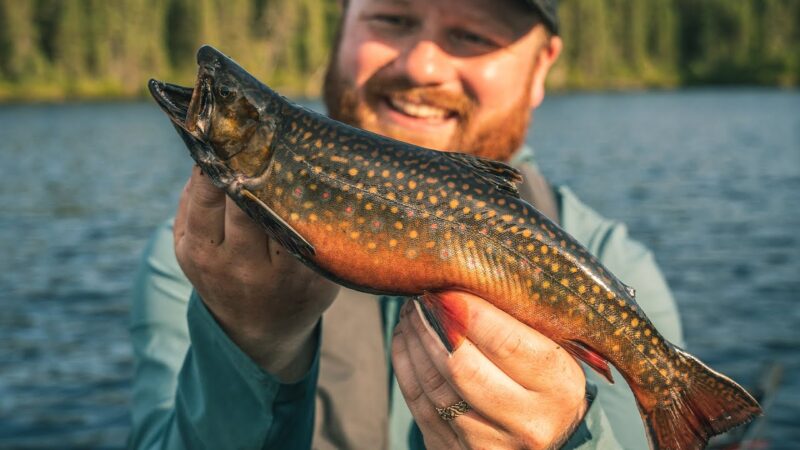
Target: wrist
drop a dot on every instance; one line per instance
(286, 352)
(289, 356)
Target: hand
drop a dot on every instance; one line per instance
(266, 300)
(526, 392)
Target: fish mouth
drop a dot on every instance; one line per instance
(173, 99)
(190, 109)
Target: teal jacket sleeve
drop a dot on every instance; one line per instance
(193, 387)
(634, 265)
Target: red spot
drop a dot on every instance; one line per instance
(484, 231)
(434, 226)
(326, 195)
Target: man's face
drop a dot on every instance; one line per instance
(456, 75)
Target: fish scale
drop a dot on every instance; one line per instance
(383, 216)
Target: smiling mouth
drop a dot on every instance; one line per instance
(421, 111)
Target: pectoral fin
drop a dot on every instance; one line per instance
(277, 228)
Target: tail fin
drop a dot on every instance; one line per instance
(708, 404)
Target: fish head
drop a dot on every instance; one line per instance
(226, 113)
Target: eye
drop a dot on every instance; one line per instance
(470, 38)
(224, 91)
(392, 21)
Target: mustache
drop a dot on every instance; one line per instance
(402, 88)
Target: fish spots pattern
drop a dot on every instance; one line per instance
(390, 200)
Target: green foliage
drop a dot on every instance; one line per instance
(55, 49)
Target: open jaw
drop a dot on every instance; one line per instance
(173, 99)
(188, 108)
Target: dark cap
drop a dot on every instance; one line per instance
(549, 11)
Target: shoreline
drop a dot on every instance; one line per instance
(52, 97)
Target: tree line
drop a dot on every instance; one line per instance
(55, 49)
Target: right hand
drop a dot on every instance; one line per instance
(265, 299)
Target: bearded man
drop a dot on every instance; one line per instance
(233, 349)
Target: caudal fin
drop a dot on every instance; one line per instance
(706, 404)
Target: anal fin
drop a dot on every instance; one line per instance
(278, 229)
(590, 357)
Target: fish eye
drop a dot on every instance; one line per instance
(224, 91)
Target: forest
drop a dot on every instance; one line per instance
(95, 49)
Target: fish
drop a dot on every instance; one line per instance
(386, 217)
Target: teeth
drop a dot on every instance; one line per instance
(417, 110)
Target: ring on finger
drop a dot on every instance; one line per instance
(449, 413)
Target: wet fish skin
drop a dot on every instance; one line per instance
(382, 216)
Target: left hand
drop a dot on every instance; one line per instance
(526, 392)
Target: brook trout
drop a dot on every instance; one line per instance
(382, 216)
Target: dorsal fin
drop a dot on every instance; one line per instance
(500, 175)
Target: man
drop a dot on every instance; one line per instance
(447, 74)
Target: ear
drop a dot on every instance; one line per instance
(546, 57)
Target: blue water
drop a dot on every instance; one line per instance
(709, 179)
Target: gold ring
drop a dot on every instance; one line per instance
(451, 412)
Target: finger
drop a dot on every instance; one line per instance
(526, 355)
(179, 223)
(476, 379)
(470, 427)
(243, 236)
(434, 385)
(205, 215)
(437, 434)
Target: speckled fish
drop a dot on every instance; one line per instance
(382, 216)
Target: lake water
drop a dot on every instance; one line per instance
(709, 179)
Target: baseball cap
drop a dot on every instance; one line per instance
(549, 11)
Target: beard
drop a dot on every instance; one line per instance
(496, 137)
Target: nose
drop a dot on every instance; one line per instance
(426, 63)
